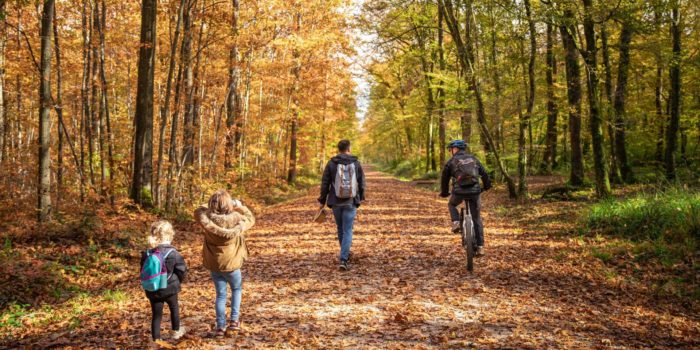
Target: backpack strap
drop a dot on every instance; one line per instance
(165, 257)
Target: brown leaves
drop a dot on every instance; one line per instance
(407, 288)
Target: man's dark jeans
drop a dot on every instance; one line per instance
(474, 203)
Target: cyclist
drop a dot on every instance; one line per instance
(465, 170)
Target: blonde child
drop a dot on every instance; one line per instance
(172, 269)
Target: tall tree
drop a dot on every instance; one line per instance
(573, 90)
(233, 98)
(59, 113)
(188, 69)
(466, 59)
(441, 91)
(590, 56)
(3, 43)
(141, 181)
(675, 94)
(549, 160)
(295, 101)
(525, 120)
(659, 92)
(44, 183)
(105, 112)
(615, 174)
(619, 104)
(165, 108)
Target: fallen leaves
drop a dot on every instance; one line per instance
(407, 288)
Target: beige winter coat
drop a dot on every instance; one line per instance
(224, 247)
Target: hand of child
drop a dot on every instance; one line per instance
(236, 203)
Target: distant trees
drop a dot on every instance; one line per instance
(500, 52)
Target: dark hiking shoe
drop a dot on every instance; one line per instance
(219, 332)
(234, 325)
(344, 265)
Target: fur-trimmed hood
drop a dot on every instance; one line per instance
(224, 248)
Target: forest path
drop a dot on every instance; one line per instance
(408, 286)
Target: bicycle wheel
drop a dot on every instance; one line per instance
(468, 240)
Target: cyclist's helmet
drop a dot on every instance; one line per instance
(457, 143)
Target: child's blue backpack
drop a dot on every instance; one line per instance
(154, 274)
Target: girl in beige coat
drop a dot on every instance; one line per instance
(224, 221)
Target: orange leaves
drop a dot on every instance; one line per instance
(407, 288)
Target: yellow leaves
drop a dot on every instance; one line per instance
(165, 345)
(407, 288)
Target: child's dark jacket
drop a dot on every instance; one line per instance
(177, 271)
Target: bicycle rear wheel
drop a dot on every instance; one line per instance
(468, 240)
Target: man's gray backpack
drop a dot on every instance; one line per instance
(346, 181)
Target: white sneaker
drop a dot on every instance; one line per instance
(456, 227)
(480, 251)
(179, 333)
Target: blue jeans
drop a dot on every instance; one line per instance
(344, 218)
(221, 280)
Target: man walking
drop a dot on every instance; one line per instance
(343, 189)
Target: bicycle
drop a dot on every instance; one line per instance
(468, 236)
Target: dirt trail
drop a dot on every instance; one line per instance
(407, 287)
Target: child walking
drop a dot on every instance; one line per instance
(162, 271)
(224, 222)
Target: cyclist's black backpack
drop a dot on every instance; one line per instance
(466, 171)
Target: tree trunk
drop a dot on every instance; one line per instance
(233, 100)
(573, 84)
(498, 120)
(188, 120)
(63, 136)
(658, 96)
(59, 114)
(44, 183)
(442, 125)
(165, 109)
(590, 57)
(296, 108)
(85, 90)
(550, 154)
(98, 119)
(105, 103)
(15, 141)
(525, 122)
(143, 145)
(615, 174)
(465, 55)
(675, 93)
(173, 159)
(3, 111)
(619, 104)
(470, 33)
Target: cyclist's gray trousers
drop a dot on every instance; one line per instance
(474, 203)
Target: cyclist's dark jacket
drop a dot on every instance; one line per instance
(327, 196)
(448, 173)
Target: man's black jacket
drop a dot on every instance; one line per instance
(448, 173)
(327, 182)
